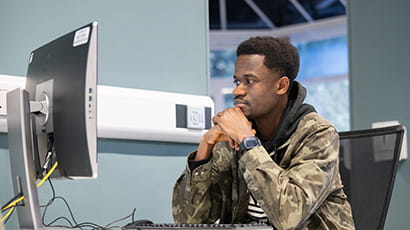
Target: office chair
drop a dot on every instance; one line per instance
(368, 165)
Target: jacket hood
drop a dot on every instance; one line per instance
(294, 112)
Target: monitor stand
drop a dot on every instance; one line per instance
(22, 158)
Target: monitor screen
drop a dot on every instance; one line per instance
(62, 74)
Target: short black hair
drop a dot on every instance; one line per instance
(280, 55)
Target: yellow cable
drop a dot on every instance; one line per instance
(48, 174)
(8, 214)
(38, 185)
(13, 203)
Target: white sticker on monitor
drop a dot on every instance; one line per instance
(81, 36)
(31, 58)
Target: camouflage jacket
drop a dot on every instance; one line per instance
(303, 191)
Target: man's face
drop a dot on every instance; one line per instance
(255, 91)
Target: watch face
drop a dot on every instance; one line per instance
(249, 143)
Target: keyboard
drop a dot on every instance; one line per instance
(133, 226)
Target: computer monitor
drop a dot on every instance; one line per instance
(56, 113)
(64, 73)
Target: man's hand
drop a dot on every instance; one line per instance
(229, 125)
(209, 139)
(214, 135)
(234, 124)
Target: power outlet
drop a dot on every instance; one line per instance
(195, 118)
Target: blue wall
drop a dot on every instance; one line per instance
(379, 53)
(145, 44)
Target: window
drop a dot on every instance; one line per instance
(323, 71)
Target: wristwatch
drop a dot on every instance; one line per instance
(249, 143)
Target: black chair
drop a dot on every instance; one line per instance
(368, 164)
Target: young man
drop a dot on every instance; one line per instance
(271, 158)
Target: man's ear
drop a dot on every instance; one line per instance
(283, 85)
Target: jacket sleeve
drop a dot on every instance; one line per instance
(197, 196)
(289, 196)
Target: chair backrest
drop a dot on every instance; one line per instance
(368, 165)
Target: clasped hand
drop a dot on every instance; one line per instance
(230, 125)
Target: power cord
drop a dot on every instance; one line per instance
(12, 200)
(10, 206)
(47, 170)
(74, 223)
(124, 218)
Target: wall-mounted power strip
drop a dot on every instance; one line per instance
(126, 113)
(3, 102)
(7, 83)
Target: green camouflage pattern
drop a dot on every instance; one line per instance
(303, 191)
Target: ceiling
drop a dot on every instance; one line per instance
(232, 21)
(270, 14)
